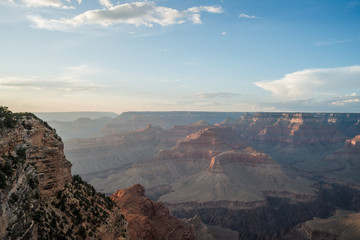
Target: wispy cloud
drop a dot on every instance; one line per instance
(44, 3)
(314, 83)
(73, 79)
(330, 42)
(216, 95)
(35, 83)
(144, 13)
(348, 99)
(243, 15)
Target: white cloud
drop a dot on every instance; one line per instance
(105, 3)
(43, 3)
(195, 18)
(136, 13)
(224, 33)
(243, 15)
(210, 9)
(314, 83)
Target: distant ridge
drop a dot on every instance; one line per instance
(71, 116)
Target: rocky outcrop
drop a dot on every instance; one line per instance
(148, 219)
(354, 144)
(347, 155)
(297, 128)
(204, 144)
(238, 176)
(207, 232)
(178, 132)
(39, 199)
(228, 122)
(343, 225)
(41, 146)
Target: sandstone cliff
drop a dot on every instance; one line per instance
(343, 225)
(39, 199)
(148, 219)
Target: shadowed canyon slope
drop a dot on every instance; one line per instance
(210, 165)
(343, 225)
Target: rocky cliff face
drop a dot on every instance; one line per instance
(342, 225)
(39, 199)
(148, 219)
(41, 146)
(297, 128)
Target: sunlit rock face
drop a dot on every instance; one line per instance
(148, 219)
(39, 199)
(43, 148)
(297, 128)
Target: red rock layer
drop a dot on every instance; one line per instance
(148, 219)
(205, 144)
(298, 128)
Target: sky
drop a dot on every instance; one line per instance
(188, 55)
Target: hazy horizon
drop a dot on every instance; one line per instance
(212, 56)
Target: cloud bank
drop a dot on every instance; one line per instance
(136, 13)
(314, 83)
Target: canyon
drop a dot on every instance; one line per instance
(261, 174)
(40, 199)
(185, 175)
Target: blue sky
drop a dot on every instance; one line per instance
(243, 55)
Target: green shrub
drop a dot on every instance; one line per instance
(8, 121)
(82, 232)
(21, 153)
(13, 198)
(7, 169)
(2, 180)
(33, 182)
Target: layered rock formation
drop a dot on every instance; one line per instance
(237, 176)
(148, 219)
(297, 128)
(209, 232)
(39, 199)
(248, 174)
(213, 164)
(349, 154)
(343, 225)
(39, 144)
